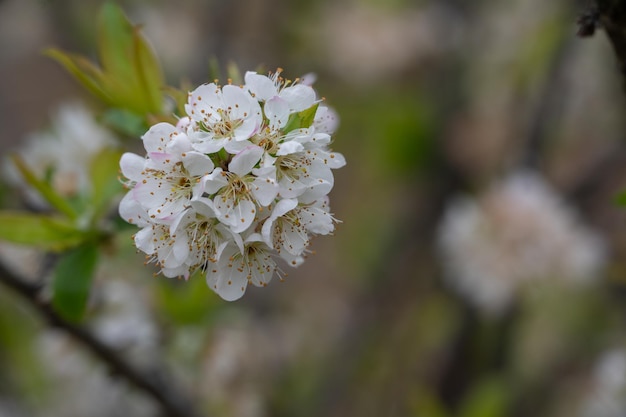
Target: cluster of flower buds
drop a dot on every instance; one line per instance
(241, 178)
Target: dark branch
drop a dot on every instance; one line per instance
(611, 16)
(152, 382)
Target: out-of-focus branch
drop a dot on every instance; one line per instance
(611, 16)
(152, 382)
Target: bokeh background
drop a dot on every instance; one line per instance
(479, 269)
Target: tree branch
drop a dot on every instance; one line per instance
(611, 16)
(152, 382)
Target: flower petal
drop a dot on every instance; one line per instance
(245, 160)
(132, 166)
(158, 136)
(261, 86)
(300, 97)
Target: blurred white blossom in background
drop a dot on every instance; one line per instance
(608, 392)
(518, 231)
(63, 154)
(81, 386)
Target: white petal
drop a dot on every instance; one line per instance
(317, 221)
(204, 206)
(242, 216)
(132, 166)
(264, 190)
(233, 147)
(295, 241)
(179, 144)
(261, 86)
(197, 164)
(294, 261)
(300, 97)
(158, 136)
(326, 120)
(210, 145)
(245, 160)
(213, 182)
(144, 240)
(283, 207)
(318, 190)
(132, 211)
(247, 129)
(277, 112)
(333, 159)
(180, 249)
(290, 147)
(226, 278)
(150, 194)
(236, 100)
(203, 101)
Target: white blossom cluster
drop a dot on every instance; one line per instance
(242, 177)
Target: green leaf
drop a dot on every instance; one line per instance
(149, 72)
(130, 77)
(72, 281)
(44, 189)
(126, 122)
(43, 231)
(115, 42)
(135, 75)
(104, 180)
(85, 72)
(301, 120)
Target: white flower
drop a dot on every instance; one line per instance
(239, 181)
(165, 181)
(289, 226)
(237, 192)
(225, 117)
(65, 152)
(230, 275)
(326, 120)
(203, 234)
(606, 398)
(297, 97)
(518, 231)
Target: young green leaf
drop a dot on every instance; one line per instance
(301, 120)
(125, 122)
(115, 42)
(85, 72)
(148, 72)
(44, 189)
(72, 281)
(39, 230)
(104, 180)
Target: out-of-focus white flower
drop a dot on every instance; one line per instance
(124, 320)
(72, 372)
(608, 392)
(516, 232)
(64, 153)
(225, 191)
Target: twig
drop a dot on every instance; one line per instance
(611, 16)
(152, 382)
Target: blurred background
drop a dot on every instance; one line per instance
(479, 267)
